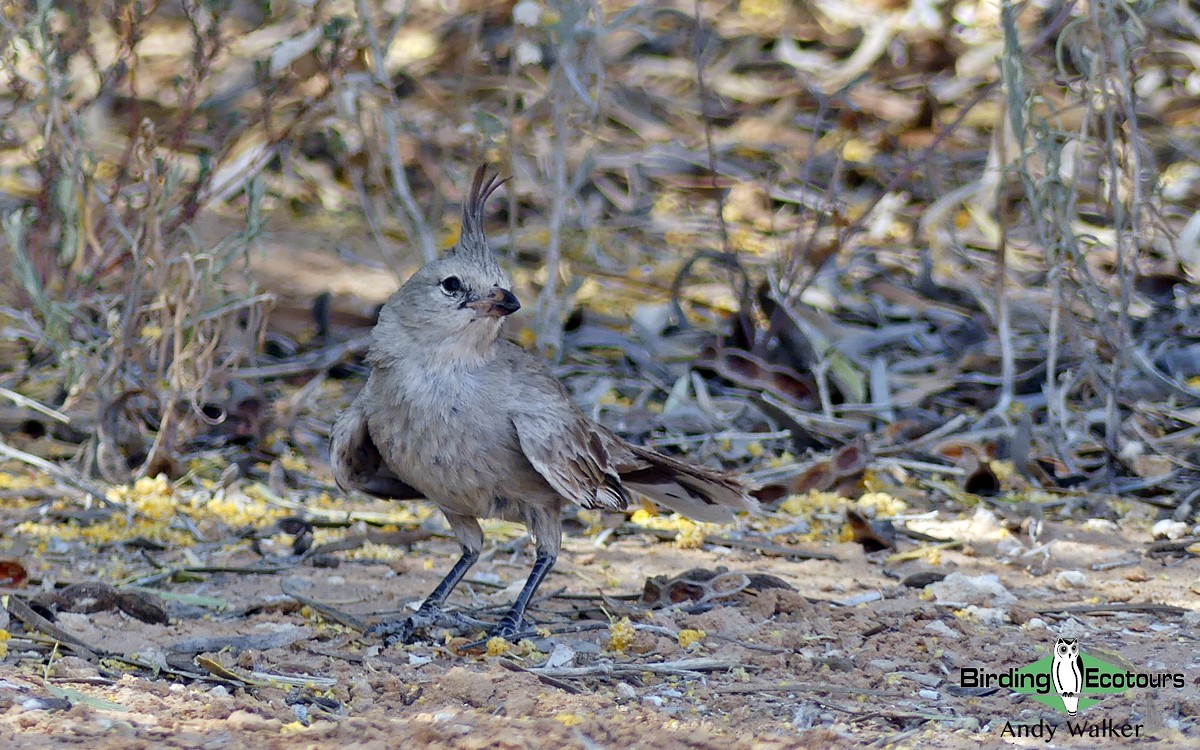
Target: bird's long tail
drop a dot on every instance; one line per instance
(695, 491)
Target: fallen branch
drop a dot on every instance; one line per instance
(315, 361)
(96, 491)
(682, 667)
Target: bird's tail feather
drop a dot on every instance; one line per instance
(696, 492)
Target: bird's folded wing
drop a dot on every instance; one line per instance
(698, 492)
(571, 457)
(357, 463)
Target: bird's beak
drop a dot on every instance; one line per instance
(498, 303)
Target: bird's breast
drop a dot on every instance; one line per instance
(448, 438)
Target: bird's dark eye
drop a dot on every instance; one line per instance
(451, 284)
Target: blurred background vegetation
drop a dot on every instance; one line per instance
(802, 221)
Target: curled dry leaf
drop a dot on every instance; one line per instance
(874, 535)
(749, 371)
(94, 596)
(697, 585)
(843, 468)
(12, 574)
(701, 585)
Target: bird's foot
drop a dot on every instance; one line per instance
(508, 627)
(425, 624)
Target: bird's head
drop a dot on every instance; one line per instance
(454, 306)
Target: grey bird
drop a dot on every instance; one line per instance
(454, 413)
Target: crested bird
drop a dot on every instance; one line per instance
(454, 413)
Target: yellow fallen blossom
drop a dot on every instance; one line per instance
(689, 637)
(5, 636)
(15, 482)
(1003, 470)
(326, 501)
(754, 448)
(153, 496)
(620, 635)
(293, 461)
(151, 332)
(749, 242)
(323, 535)
(643, 516)
(689, 536)
(238, 509)
(881, 504)
(568, 719)
(858, 150)
(783, 459)
(497, 646)
(375, 551)
(116, 529)
(813, 502)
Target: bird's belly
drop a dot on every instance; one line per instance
(472, 467)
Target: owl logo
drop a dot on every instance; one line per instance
(1068, 673)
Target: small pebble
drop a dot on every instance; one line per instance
(1070, 579)
(246, 720)
(939, 628)
(1136, 575)
(1168, 529)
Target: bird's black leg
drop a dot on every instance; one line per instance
(546, 527)
(438, 596)
(430, 614)
(513, 622)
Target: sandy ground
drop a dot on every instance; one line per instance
(851, 658)
(859, 652)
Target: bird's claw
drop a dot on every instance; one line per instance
(394, 631)
(421, 626)
(508, 627)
